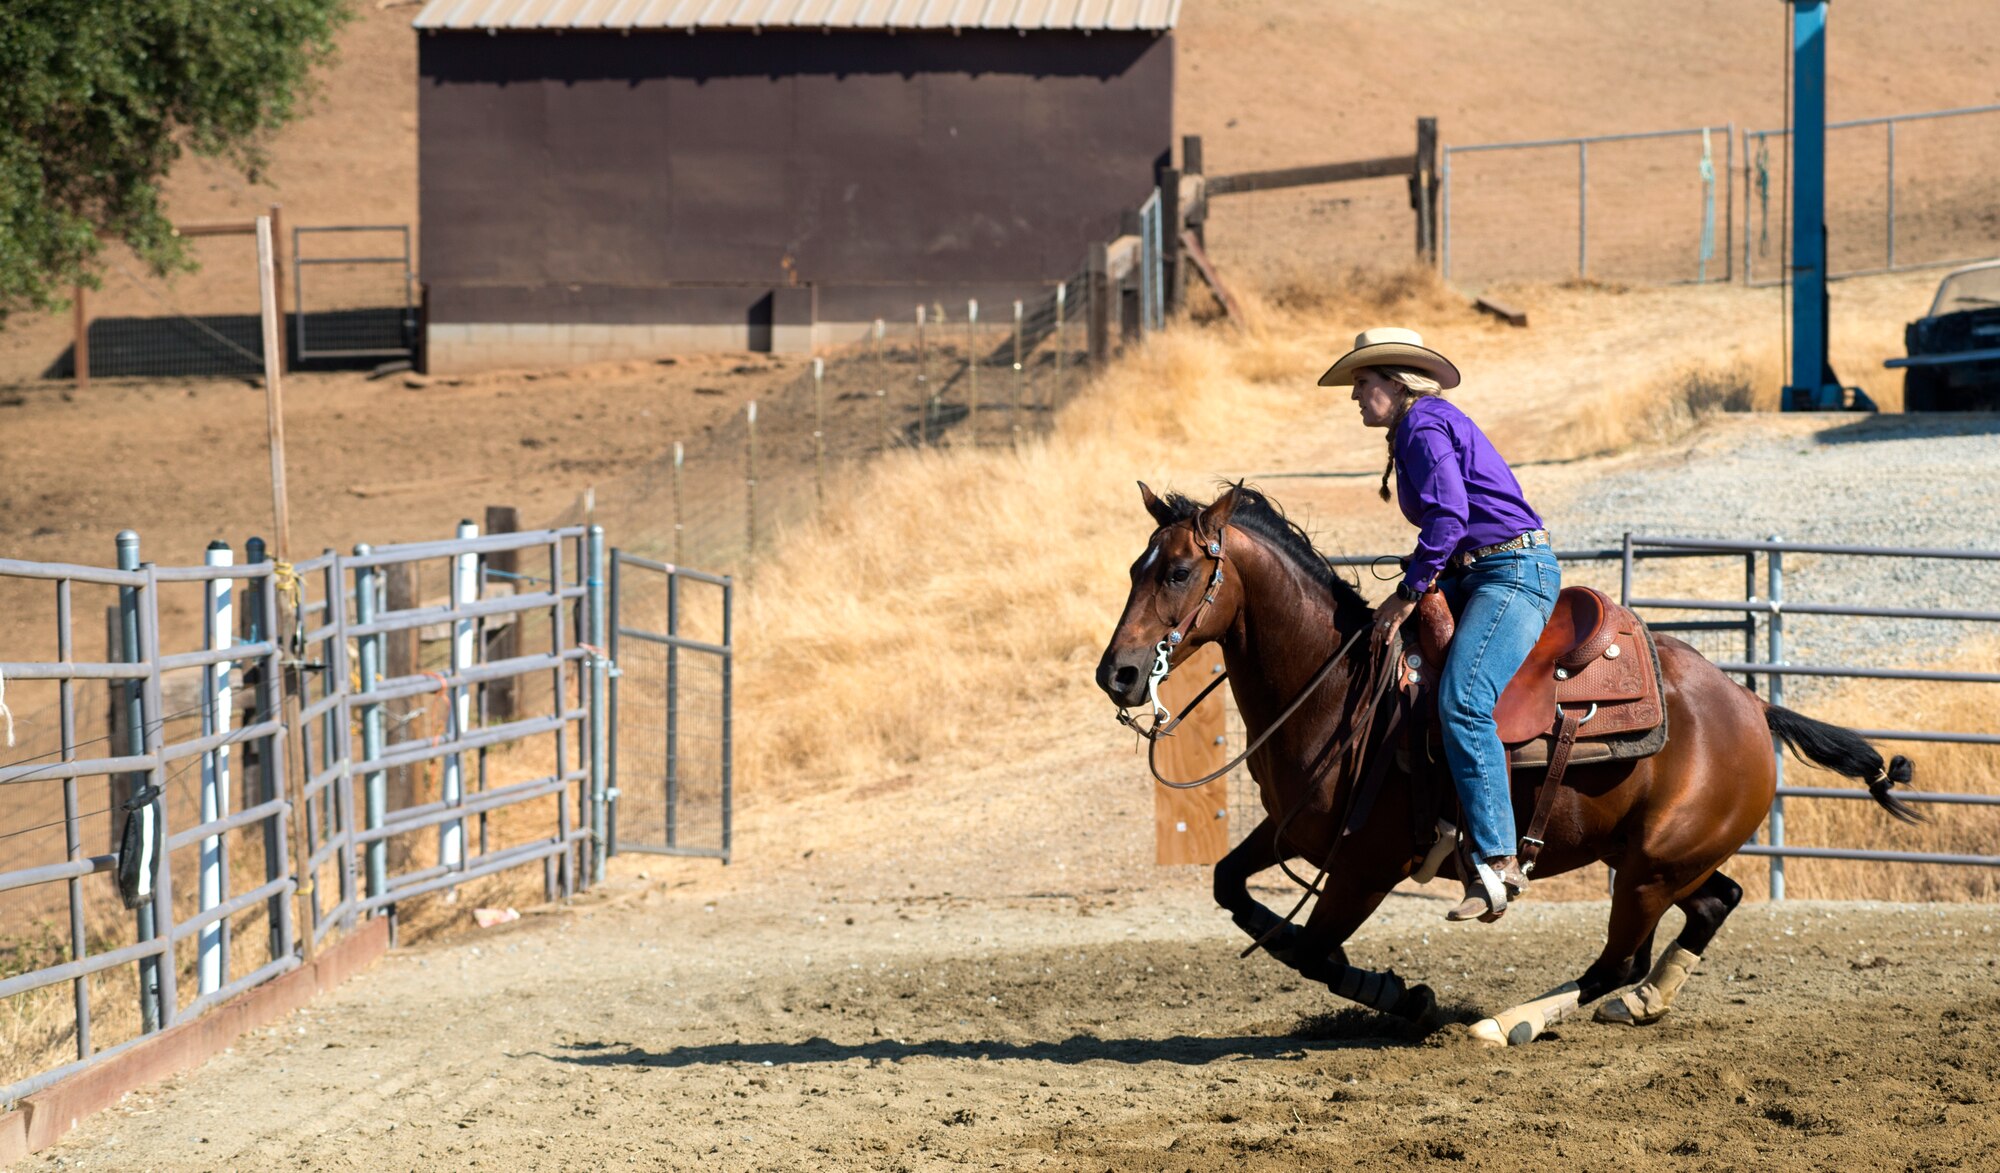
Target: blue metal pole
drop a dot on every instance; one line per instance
(1813, 386)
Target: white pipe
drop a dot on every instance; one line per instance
(217, 631)
(464, 589)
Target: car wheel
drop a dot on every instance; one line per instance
(1920, 389)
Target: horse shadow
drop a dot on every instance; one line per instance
(1341, 1030)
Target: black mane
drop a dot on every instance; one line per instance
(1262, 516)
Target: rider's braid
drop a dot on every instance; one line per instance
(1416, 384)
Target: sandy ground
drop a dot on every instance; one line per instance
(991, 974)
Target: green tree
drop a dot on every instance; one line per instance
(98, 98)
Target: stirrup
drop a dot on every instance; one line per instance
(1487, 902)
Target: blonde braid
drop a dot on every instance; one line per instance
(1416, 385)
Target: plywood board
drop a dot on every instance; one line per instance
(1192, 826)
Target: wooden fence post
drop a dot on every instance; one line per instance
(1424, 190)
(1099, 276)
(1170, 240)
(504, 643)
(401, 660)
(1191, 164)
(278, 281)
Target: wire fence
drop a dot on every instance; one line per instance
(964, 376)
(1268, 237)
(1655, 206)
(1909, 191)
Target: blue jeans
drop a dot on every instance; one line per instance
(1502, 603)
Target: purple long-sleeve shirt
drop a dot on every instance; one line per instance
(1454, 487)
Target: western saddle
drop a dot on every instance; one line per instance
(1588, 692)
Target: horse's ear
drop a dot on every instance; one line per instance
(1210, 522)
(1155, 506)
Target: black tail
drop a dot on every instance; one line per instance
(1844, 752)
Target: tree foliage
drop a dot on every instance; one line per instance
(98, 98)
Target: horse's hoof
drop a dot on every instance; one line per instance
(1416, 1004)
(1623, 1011)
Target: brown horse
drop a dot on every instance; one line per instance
(1238, 573)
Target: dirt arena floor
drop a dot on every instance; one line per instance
(983, 968)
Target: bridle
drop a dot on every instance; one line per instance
(1383, 674)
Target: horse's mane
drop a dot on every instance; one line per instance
(1262, 516)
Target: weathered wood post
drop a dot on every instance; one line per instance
(1424, 191)
(504, 644)
(1170, 241)
(1099, 293)
(1191, 164)
(1192, 826)
(79, 350)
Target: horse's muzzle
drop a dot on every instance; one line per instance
(1122, 676)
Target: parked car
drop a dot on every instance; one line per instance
(1953, 361)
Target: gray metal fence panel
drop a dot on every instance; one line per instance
(321, 681)
(671, 757)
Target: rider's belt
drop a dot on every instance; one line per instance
(1534, 537)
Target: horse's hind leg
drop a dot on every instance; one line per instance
(1706, 908)
(1636, 909)
(1256, 853)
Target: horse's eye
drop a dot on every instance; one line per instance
(1180, 575)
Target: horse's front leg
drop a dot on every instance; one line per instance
(1341, 909)
(1258, 852)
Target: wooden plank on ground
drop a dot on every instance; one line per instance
(1202, 265)
(1244, 181)
(1192, 826)
(1501, 310)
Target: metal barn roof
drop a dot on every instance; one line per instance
(692, 15)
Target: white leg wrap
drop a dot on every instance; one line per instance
(1511, 1028)
(1440, 851)
(1649, 1001)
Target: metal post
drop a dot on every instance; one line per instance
(972, 371)
(1729, 204)
(1891, 124)
(750, 482)
(212, 951)
(1625, 573)
(1444, 201)
(611, 714)
(166, 972)
(1775, 690)
(728, 719)
(271, 751)
(881, 381)
(819, 432)
(1020, 378)
(376, 782)
(923, 381)
(1062, 351)
(673, 710)
(679, 458)
(135, 745)
(1813, 386)
(1582, 208)
(79, 348)
(72, 820)
(600, 675)
(464, 589)
(1750, 618)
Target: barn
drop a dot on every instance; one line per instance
(617, 178)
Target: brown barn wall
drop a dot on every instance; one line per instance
(667, 178)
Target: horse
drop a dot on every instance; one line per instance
(1237, 572)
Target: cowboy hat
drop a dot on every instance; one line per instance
(1389, 346)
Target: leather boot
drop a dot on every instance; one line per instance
(1493, 883)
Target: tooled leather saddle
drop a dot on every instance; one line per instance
(1589, 691)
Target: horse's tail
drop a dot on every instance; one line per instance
(1844, 752)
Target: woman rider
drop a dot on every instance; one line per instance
(1484, 546)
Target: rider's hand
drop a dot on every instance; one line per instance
(1390, 615)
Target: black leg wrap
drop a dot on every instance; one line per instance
(1259, 921)
(1380, 991)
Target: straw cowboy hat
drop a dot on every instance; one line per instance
(1389, 346)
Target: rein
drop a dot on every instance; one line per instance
(1384, 671)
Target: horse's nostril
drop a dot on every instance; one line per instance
(1126, 677)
